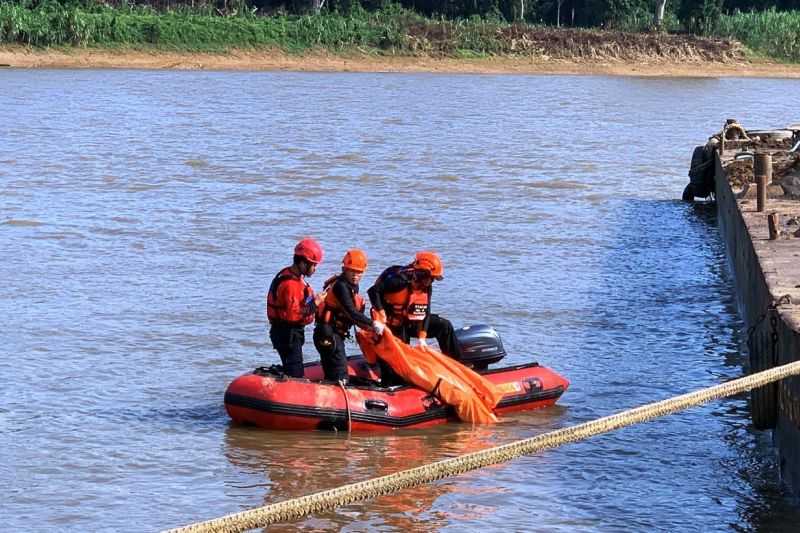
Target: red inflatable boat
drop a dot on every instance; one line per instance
(268, 398)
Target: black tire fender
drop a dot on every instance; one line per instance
(688, 193)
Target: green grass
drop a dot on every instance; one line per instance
(770, 33)
(392, 30)
(54, 25)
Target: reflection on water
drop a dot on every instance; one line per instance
(280, 466)
(141, 223)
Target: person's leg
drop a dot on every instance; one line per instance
(339, 361)
(442, 330)
(325, 345)
(288, 341)
(388, 376)
(333, 356)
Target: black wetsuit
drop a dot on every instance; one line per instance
(329, 334)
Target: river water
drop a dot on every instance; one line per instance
(143, 214)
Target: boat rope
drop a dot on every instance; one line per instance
(355, 492)
(347, 405)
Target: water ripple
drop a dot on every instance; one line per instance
(144, 224)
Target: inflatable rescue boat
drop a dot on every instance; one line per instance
(268, 398)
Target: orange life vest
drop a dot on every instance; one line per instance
(331, 311)
(293, 304)
(406, 304)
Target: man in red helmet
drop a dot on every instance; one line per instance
(401, 298)
(291, 304)
(341, 309)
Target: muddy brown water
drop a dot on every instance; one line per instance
(143, 214)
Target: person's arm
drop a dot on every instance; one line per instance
(390, 280)
(375, 294)
(345, 298)
(310, 303)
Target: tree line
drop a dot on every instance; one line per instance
(696, 16)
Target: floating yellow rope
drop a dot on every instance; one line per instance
(371, 488)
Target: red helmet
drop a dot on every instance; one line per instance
(355, 260)
(310, 250)
(429, 261)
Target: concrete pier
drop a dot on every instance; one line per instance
(767, 270)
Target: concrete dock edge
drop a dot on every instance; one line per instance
(766, 272)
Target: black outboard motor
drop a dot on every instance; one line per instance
(701, 173)
(480, 346)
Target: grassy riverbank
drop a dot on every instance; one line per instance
(388, 32)
(771, 33)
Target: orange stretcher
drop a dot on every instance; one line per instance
(472, 396)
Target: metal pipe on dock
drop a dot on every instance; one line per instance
(762, 171)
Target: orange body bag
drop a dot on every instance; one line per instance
(473, 396)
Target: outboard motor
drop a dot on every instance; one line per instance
(701, 173)
(480, 345)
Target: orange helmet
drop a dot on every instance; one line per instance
(355, 259)
(429, 261)
(310, 250)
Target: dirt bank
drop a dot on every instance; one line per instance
(690, 66)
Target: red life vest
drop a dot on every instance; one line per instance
(331, 311)
(292, 304)
(406, 305)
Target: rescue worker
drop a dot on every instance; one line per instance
(342, 308)
(291, 304)
(401, 298)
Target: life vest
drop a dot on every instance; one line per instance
(406, 304)
(296, 312)
(331, 311)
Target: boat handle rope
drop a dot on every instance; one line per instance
(363, 490)
(347, 405)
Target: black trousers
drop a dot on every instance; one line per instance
(332, 355)
(439, 328)
(288, 340)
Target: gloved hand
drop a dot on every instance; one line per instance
(378, 327)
